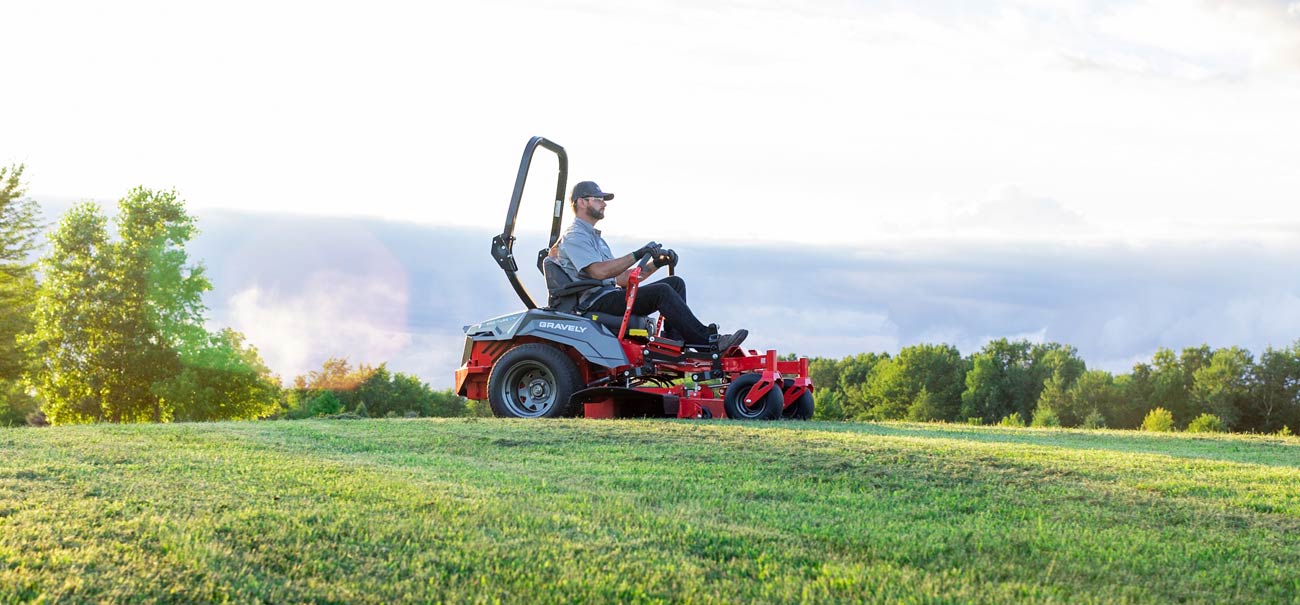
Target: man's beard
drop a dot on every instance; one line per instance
(598, 214)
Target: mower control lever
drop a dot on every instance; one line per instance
(665, 256)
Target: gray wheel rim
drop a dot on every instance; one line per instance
(749, 410)
(529, 389)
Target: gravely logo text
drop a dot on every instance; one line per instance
(562, 327)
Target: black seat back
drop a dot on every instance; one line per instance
(564, 290)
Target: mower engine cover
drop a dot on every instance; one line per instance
(595, 342)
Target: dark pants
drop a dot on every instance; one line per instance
(668, 297)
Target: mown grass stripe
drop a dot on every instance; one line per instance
(634, 511)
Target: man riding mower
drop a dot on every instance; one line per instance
(570, 358)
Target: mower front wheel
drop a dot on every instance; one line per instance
(766, 408)
(532, 381)
(802, 408)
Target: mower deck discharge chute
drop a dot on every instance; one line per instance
(556, 361)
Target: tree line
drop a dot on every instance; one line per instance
(109, 326)
(1016, 382)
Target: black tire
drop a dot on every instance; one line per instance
(802, 408)
(533, 381)
(769, 408)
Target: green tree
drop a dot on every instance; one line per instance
(925, 408)
(828, 405)
(336, 374)
(895, 384)
(1056, 367)
(443, 404)
(223, 378)
(1172, 378)
(376, 392)
(824, 372)
(1135, 393)
(159, 308)
(1000, 382)
(1045, 416)
(16, 404)
(325, 404)
(1058, 398)
(1053, 358)
(1276, 399)
(1222, 387)
(1094, 395)
(72, 319)
(855, 374)
(18, 239)
(119, 324)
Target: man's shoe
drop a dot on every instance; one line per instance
(726, 341)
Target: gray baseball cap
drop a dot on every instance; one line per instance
(589, 189)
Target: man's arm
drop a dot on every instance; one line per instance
(621, 267)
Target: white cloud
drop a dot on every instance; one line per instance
(715, 121)
(1203, 39)
(332, 315)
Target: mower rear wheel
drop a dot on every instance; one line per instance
(532, 381)
(767, 408)
(802, 408)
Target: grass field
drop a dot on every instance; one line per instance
(492, 511)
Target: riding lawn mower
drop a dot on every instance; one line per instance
(560, 360)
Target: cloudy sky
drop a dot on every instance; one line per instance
(911, 130)
(768, 120)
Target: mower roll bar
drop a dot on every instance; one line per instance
(503, 245)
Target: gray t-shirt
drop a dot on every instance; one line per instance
(580, 246)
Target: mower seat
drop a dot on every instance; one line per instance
(564, 291)
(638, 326)
(564, 294)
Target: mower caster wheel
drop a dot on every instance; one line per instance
(802, 408)
(767, 408)
(533, 381)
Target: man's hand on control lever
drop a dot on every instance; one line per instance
(665, 256)
(646, 249)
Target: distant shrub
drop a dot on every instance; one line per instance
(381, 390)
(1207, 423)
(479, 408)
(975, 421)
(390, 414)
(16, 404)
(1045, 416)
(1014, 419)
(325, 404)
(411, 414)
(924, 408)
(361, 410)
(1095, 420)
(1285, 431)
(1158, 420)
(827, 405)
